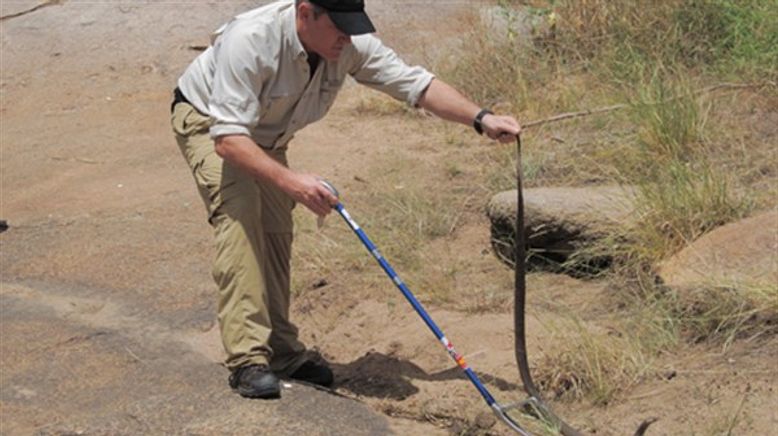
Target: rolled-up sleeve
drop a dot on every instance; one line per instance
(379, 67)
(237, 82)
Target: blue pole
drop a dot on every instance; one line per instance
(415, 303)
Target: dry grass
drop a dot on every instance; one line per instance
(720, 314)
(695, 159)
(726, 424)
(373, 103)
(400, 216)
(599, 364)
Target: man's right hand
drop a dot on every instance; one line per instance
(308, 190)
(245, 154)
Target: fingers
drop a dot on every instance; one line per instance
(506, 137)
(317, 197)
(332, 193)
(322, 201)
(327, 197)
(501, 128)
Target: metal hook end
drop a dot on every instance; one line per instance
(330, 188)
(515, 426)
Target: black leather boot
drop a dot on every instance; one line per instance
(255, 381)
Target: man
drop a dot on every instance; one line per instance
(268, 73)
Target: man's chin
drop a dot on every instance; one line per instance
(333, 55)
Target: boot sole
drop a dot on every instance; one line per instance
(265, 394)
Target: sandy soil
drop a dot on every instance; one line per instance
(107, 306)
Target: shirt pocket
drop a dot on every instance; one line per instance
(327, 93)
(278, 108)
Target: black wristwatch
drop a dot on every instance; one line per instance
(477, 121)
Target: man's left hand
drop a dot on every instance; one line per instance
(502, 128)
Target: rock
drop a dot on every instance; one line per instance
(736, 255)
(559, 221)
(208, 343)
(485, 420)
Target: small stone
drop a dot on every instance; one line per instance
(485, 420)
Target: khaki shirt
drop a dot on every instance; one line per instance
(254, 79)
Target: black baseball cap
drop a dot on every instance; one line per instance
(348, 15)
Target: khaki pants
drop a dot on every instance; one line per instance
(252, 223)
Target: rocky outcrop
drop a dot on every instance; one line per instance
(559, 221)
(737, 255)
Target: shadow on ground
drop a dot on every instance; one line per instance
(381, 376)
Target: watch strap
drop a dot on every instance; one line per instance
(478, 119)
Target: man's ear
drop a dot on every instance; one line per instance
(304, 11)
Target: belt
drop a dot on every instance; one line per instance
(178, 97)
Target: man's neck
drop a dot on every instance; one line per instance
(313, 61)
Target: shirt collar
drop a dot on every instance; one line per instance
(290, 32)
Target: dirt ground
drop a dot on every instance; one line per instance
(107, 308)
